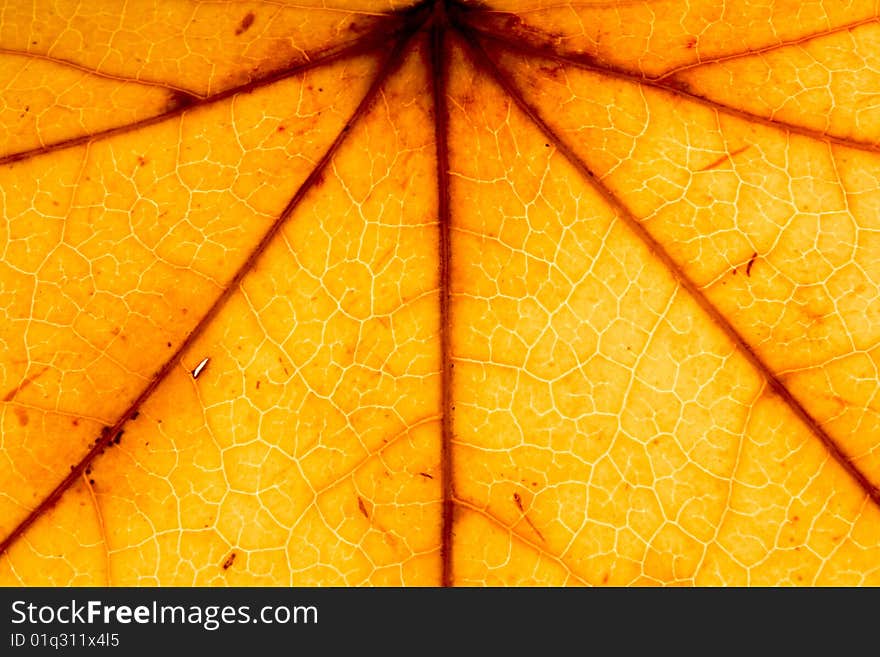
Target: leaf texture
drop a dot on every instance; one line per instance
(439, 294)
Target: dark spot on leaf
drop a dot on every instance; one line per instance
(142, 160)
(22, 416)
(511, 22)
(281, 128)
(553, 72)
(135, 415)
(690, 43)
(229, 560)
(363, 508)
(92, 481)
(518, 500)
(245, 24)
(75, 422)
(751, 262)
(178, 99)
(425, 474)
(679, 84)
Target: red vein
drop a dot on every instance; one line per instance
(521, 537)
(670, 87)
(28, 380)
(727, 157)
(107, 436)
(519, 505)
(102, 529)
(783, 43)
(683, 279)
(100, 74)
(441, 130)
(846, 27)
(182, 102)
(598, 4)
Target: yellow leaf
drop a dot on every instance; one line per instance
(443, 293)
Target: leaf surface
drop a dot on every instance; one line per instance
(439, 294)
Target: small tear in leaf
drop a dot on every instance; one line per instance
(200, 368)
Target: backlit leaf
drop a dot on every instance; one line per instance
(443, 293)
